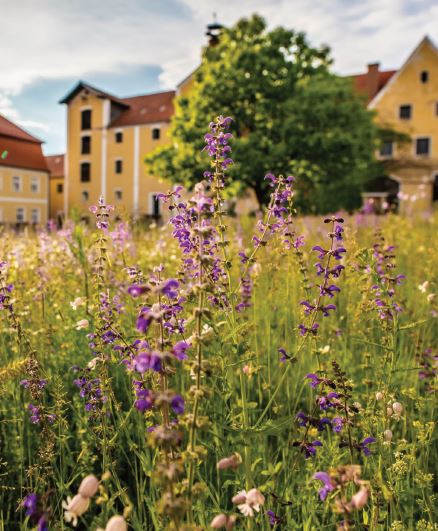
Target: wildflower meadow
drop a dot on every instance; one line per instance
(276, 372)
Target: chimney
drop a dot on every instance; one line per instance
(372, 80)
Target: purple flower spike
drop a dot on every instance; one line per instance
(328, 486)
(337, 253)
(322, 252)
(136, 290)
(314, 380)
(178, 404)
(30, 504)
(179, 350)
(364, 445)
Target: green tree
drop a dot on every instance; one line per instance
(290, 116)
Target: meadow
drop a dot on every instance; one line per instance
(214, 373)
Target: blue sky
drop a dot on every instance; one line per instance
(131, 47)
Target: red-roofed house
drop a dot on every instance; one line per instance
(23, 176)
(107, 140)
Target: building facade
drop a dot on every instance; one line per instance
(407, 102)
(107, 140)
(24, 179)
(55, 164)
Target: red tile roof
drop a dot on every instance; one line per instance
(22, 154)
(361, 83)
(55, 163)
(7, 128)
(145, 109)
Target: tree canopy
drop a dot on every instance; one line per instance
(290, 116)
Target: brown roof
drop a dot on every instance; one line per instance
(81, 85)
(145, 109)
(7, 128)
(22, 153)
(372, 82)
(55, 163)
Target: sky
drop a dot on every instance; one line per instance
(130, 47)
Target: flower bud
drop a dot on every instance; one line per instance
(388, 435)
(359, 500)
(219, 521)
(379, 396)
(116, 523)
(233, 461)
(89, 486)
(78, 505)
(239, 498)
(389, 411)
(398, 408)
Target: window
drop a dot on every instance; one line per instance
(119, 137)
(118, 167)
(386, 149)
(156, 133)
(16, 183)
(422, 146)
(405, 112)
(435, 188)
(59, 188)
(85, 172)
(35, 184)
(85, 145)
(155, 206)
(20, 215)
(35, 215)
(86, 119)
(118, 195)
(85, 196)
(424, 76)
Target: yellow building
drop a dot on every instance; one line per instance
(55, 164)
(408, 103)
(23, 177)
(107, 140)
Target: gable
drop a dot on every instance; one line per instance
(407, 78)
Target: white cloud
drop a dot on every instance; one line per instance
(55, 39)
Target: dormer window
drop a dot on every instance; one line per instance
(156, 133)
(405, 112)
(424, 76)
(86, 119)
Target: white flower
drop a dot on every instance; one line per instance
(74, 508)
(423, 287)
(431, 297)
(83, 323)
(116, 523)
(248, 502)
(79, 301)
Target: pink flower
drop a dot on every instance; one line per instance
(248, 502)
